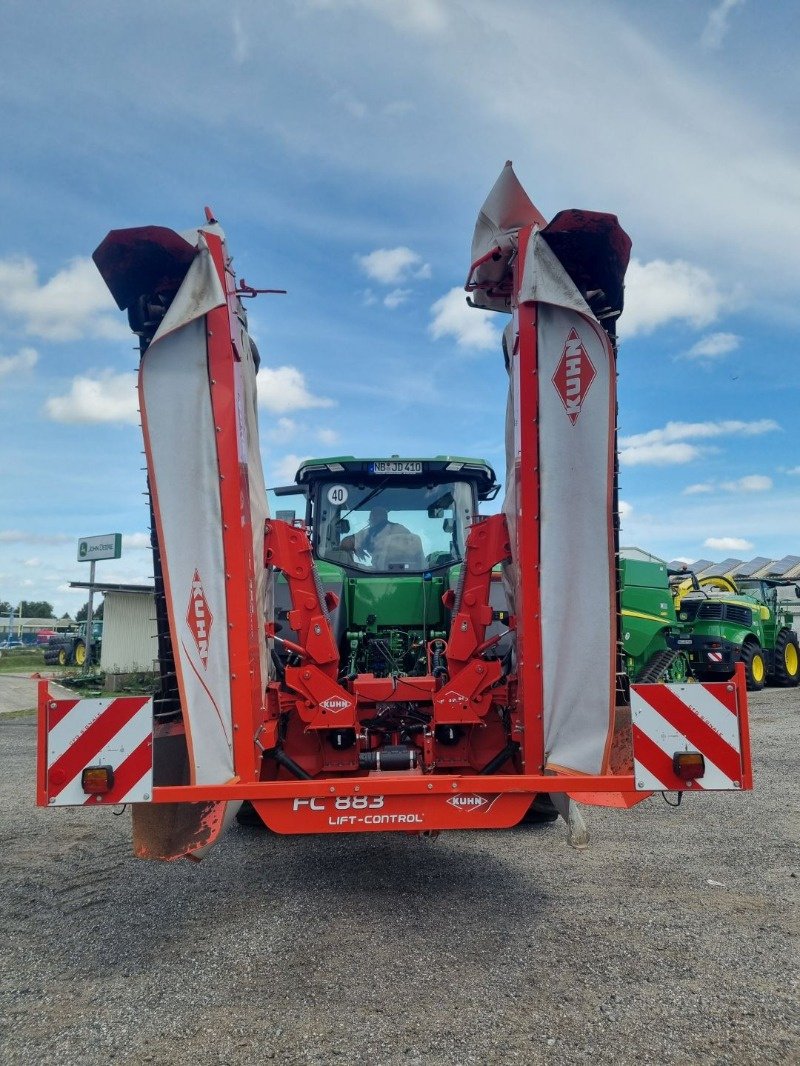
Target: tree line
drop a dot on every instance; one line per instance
(43, 609)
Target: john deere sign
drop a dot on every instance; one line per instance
(90, 549)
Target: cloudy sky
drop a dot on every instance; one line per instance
(346, 146)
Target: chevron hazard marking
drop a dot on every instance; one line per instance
(668, 719)
(100, 732)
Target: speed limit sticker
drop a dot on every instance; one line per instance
(337, 495)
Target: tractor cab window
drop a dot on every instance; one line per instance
(381, 527)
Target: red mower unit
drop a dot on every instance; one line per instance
(319, 714)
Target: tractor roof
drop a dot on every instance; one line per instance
(396, 466)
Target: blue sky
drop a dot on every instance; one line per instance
(346, 148)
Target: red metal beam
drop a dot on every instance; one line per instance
(524, 369)
(396, 785)
(246, 684)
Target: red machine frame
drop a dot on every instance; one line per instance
(409, 799)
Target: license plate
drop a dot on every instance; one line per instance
(684, 640)
(395, 466)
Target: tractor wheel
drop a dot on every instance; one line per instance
(63, 658)
(247, 816)
(787, 659)
(754, 667)
(678, 671)
(79, 653)
(540, 811)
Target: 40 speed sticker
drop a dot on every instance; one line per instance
(356, 810)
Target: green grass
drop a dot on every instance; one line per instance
(21, 660)
(17, 714)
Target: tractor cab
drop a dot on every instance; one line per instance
(393, 516)
(388, 538)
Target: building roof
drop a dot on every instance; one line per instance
(104, 587)
(788, 567)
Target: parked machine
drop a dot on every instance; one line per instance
(68, 648)
(650, 628)
(725, 621)
(349, 669)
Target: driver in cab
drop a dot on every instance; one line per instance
(382, 540)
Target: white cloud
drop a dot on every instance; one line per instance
(352, 105)
(33, 562)
(749, 483)
(419, 16)
(74, 304)
(453, 317)
(625, 509)
(20, 536)
(728, 544)
(716, 26)
(714, 346)
(327, 436)
(658, 454)
(679, 431)
(25, 359)
(241, 42)
(282, 430)
(396, 297)
(135, 541)
(391, 266)
(108, 398)
(283, 470)
(668, 446)
(284, 389)
(793, 470)
(659, 292)
(398, 108)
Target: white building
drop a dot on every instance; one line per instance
(130, 641)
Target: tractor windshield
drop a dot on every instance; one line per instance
(383, 527)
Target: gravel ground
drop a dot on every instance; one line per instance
(673, 939)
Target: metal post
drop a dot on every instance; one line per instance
(89, 617)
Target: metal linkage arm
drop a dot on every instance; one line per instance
(465, 698)
(487, 545)
(323, 703)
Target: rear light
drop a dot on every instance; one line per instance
(688, 765)
(97, 780)
(715, 644)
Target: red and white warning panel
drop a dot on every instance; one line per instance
(97, 751)
(691, 736)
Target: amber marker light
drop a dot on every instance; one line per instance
(97, 780)
(688, 765)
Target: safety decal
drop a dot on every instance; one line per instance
(686, 736)
(99, 751)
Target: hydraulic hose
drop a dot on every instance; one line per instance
(502, 756)
(289, 763)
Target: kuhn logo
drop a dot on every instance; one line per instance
(454, 697)
(335, 703)
(199, 618)
(574, 376)
(467, 803)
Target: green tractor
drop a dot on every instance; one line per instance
(725, 621)
(649, 623)
(68, 648)
(388, 538)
